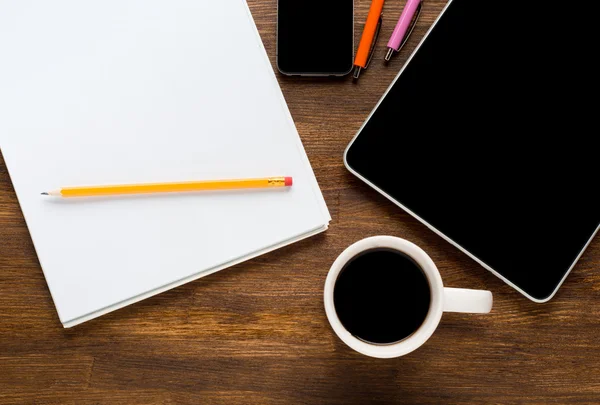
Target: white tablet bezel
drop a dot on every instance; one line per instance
(507, 281)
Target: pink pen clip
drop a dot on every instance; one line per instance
(404, 27)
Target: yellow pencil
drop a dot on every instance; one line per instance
(188, 186)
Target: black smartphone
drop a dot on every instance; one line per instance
(315, 37)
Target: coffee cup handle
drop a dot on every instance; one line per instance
(467, 301)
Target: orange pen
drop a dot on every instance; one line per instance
(369, 37)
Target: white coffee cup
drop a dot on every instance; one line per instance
(443, 299)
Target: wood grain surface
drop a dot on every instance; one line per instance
(257, 333)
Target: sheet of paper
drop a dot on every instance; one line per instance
(126, 91)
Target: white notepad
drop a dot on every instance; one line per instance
(130, 91)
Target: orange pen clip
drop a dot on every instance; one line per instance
(369, 37)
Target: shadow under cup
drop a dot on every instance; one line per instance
(382, 296)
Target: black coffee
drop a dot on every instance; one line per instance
(381, 296)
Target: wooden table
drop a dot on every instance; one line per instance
(257, 333)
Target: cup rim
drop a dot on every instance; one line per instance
(434, 314)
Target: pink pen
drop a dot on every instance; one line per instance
(406, 24)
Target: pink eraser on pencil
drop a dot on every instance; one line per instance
(288, 181)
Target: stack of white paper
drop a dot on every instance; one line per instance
(129, 91)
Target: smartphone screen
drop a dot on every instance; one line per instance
(315, 37)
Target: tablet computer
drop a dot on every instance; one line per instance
(488, 135)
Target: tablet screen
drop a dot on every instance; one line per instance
(489, 134)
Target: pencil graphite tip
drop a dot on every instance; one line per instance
(52, 193)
